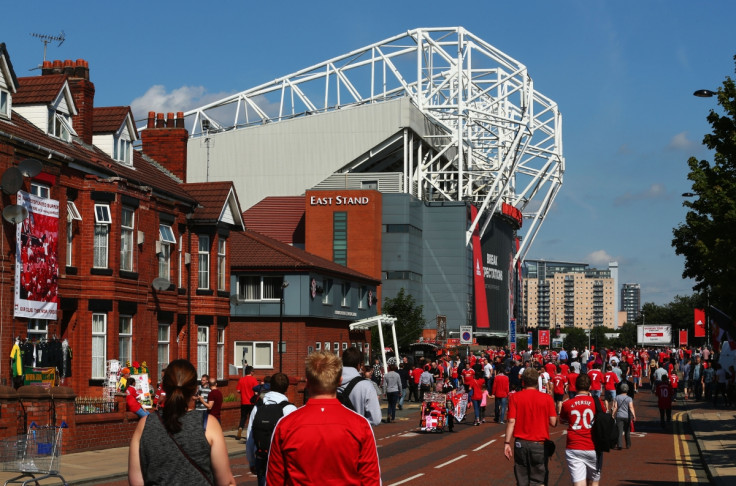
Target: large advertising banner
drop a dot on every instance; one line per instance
(479, 291)
(37, 266)
(512, 335)
(544, 337)
(683, 337)
(498, 273)
(654, 334)
(699, 319)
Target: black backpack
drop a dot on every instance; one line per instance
(344, 394)
(603, 431)
(264, 422)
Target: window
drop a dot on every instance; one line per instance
(164, 331)
(60, 125)
(327, 286)
(125, 339)
(204, 262)
(72, 214)
(127, 224)
(203, 346)
(38, 328)
(254, 287)
(340, 237)
(362, 292)
(327, 346)
(166, 237)
(345, 301)
(181, 262)
(221, 263)
(220, 353)
(99, 345)
(258, 354)
(4, 104)
(344, 346)
(121, 150)
(102, 232)
(40, 190)
(369, 185)
(336, 348)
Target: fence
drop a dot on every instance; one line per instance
(89, 405)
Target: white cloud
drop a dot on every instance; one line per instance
(655, 191)
(180, 99)
(681, 142)
(599, 258)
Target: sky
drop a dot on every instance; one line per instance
(622, 72)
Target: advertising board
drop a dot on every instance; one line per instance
(497, 245)
(654, 334)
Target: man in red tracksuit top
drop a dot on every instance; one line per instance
(596, 380)
(323, 442)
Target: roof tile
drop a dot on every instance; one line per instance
(38, 89)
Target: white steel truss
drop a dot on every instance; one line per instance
(499, 140)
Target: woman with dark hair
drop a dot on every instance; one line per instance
(175, 446)
(392, 390)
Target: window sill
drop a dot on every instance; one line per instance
(129, 275)
(223, 293)
(100, 271)
(182, 291)
(71, 270)
(205, 292)
(97, 382)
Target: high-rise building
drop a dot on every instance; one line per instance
(631, 300)
(567, 294)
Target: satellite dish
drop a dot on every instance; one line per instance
(14, 213)
(161, 283)
(30, 167)
(234, 299)
(12, 180)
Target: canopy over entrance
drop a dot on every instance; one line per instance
(379, 321)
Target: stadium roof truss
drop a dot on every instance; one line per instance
(500, 140)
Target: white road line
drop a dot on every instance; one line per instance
(450, 461)
(407, 479)
(484, 445)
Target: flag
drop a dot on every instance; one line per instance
(699, 323)
(722, 327)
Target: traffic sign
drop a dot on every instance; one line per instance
(466, 334)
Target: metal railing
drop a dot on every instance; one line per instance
(89, 405)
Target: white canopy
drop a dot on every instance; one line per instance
(380, 321)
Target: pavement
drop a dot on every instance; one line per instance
(714, 430)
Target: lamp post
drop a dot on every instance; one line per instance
(284, 284)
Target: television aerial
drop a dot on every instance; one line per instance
(30, 167)
(160, 283)
(14, 214)
(11, 181)
(46, 39)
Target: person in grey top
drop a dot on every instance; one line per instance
(176, 445)
(203, 390)
(426, 380)
(392, 390)
(624, 413)
(363, 396)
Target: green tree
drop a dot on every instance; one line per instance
(707, 239)
(575, 338)
(598, 337)
(626, 336)
(409, 320)
(521, 343)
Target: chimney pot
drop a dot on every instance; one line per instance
(179, 119)
(151, 118)
(170, 120)
(68, 63)
(160, 122)
(57, 64)
(47, 64)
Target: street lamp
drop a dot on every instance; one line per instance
(284, 284)
(705, 93)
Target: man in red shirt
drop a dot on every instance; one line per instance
(531, 413)
(245, 388)
(416, 374)
(468, 375)
(636, 374)
(596, 380)
(664, 402)
(550, 368)
(572, 389)
(558, 389)
(610, 379)
(674, 384)
(582, 461)
(500, 390)
(347, 452)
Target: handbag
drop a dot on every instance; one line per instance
(549, 448)
(604, 432)
(196, 466)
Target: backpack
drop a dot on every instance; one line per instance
(603, 431)
(264, 422)
(344, 395)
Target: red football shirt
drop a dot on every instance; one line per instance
(571, 379)
(579, 412)
(532, 410)
(564, 369)
(664, 392)
(416, 373)
(674, 381)
(558, 383)
(636, 371)
(611, 379)
(500, 386)
(550, 368)
(596, 379)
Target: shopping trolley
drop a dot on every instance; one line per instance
(36, 453)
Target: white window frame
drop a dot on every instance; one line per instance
(164, 261)
(59, 125)
(326, 291)
(164, 342)
(38, 328)
(180, 260)
(102, 214)
(221, 264)
(99, 361)
(327, 346)
(259, 286)
(166, 234)
(220, 352)
(203, 350)
(5, 103)
(127, 239)
(125, 338)
(203, 251)
(318, 346)
(253, 360)
(101, 245)
(122, 149)
(345, 290)
(69, 243)
(336, 348)
(362, 293)
(40, 190)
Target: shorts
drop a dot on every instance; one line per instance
(584, 465)
(559, 397)
(635, 379)
(610, 395)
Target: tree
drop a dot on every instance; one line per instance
(707, 239)
(575, 338)
(409, 320)
(626, 336)
(521, 343)
(598, 337)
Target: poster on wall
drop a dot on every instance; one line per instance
(544, 337)
(499, 276)
(37, 265)
(144, 389)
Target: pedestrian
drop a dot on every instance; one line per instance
(426, 382)
(172, 446)
(625, 414)
(721, 381)
(323, 442)
(610, 380)
(131, 399)
(245, 390)
(213, 404)
(404, 375)
(414, 376)
(596, 380)
(363, 395)
(500, 392)
(708, 379)
(392, 390)
(476, 385)
(203, 391)
(273, 405)
(159, 397)
(583, 461)
(377, 372)
(531, 413)
(664, 402)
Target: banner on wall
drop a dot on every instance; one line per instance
(44, 377)
(683, 337)
(37, 265)
(512, 335)
(544, 337)
(699, 323)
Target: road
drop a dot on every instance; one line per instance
(474, 455)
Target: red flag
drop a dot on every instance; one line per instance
(544, 337)
(699, 323)
(683, 337)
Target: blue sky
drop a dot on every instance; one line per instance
(622, 72)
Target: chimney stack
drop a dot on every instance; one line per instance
(83, 92)
(166, 142)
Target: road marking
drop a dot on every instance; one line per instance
(678, 460)
(450, 461)
(407, 479)
(484, 445)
